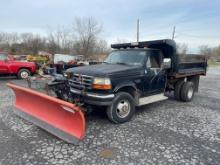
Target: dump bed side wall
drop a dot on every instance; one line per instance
(188, 65)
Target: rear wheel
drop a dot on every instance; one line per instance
(187, 91)
(177, 89)
(122, 108)
(23, 73)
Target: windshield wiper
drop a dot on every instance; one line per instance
(121, 63)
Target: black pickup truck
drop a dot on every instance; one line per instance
(133, 74)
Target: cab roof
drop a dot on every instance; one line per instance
(167, 46)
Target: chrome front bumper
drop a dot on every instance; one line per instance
(93, 95)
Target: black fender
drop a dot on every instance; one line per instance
(128, 84)
(125, 84)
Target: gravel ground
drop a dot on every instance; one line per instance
(167, 132)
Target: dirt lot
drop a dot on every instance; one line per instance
(168, 132)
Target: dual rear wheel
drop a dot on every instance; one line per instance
(184, 91)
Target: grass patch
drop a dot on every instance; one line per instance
(213, 63)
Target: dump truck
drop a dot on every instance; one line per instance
(133, 75)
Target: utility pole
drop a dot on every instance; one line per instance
(138, 30)
(174, 31)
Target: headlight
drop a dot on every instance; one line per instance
(101, 83)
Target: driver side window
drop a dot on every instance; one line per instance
(152, 62)
(148, 64)
(3, 57)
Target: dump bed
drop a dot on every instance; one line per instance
(190, 64)
(181, 65)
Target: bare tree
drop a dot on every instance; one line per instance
(102, 47)
(217, 53)
(62, 36)
(206, 50)
(7, 39)
(37, 44)
(32, 43)
(83, 37)
(101, 50)
(212, 53)
(182, 48)
(86, 31)
(2, 36)
(52, 46)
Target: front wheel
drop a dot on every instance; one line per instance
(122, 108)
(23, 73)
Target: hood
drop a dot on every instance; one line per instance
(105, 69)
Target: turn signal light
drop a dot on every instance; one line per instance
(101, 86)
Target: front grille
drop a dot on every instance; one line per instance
(81, 81)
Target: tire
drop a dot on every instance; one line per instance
(177, 89)
(23, 73)
(187, 91)
(115, 111)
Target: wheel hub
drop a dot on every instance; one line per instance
(24, 74)
(123, 108)
(190, 93)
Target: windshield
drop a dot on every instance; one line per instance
(126, 57)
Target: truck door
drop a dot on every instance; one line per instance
(3, 64)
(155, 76)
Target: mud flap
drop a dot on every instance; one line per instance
(60, 118)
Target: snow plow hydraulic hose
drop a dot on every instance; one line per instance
(62, 119)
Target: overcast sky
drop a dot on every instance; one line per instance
(197, 21)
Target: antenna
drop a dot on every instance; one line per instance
(174, 31)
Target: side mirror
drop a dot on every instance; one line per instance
(166, 63)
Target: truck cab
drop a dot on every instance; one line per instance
(146, 72)
(133, 74)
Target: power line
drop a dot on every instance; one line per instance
(198, 36)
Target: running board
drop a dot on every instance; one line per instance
(152, 99)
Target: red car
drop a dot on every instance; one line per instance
(9, 66)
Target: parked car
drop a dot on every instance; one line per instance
(63, 62)
(20, 58)
(10, 66)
